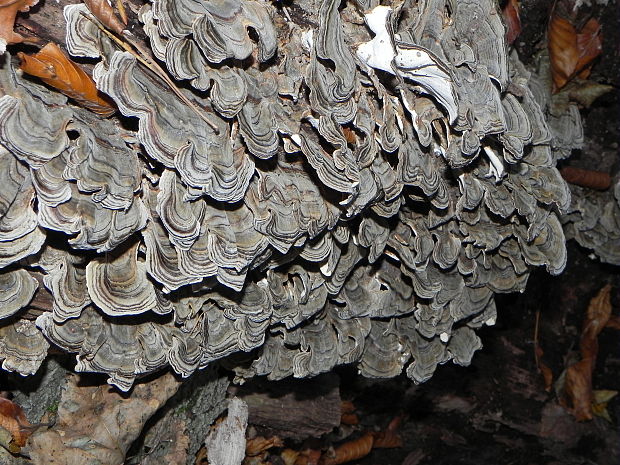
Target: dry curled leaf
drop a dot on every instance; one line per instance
(578, 390)
(350, 136)
(260, 444)
(308, 457)
(122, 11)
(598, 180)
(614, 322)
(8, 11)
(578, 395)
(104, 12)
(510, 13)
(14, 421)
(347, 406)
(563, 53)
(597, 317)
(589, 45)
(395, 423)
(601, 398)
(201, 457)
(289, 456)
(54, 68)
(389, 438)
(350, 450)
(586, 92)
(544, 369)
(347, 417)
(571, 53)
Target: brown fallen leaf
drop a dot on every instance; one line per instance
(308, 457)
(614, 322)
(571, 52)
(510, 12)
(389, 438)
(563, 54)
(597, 317)
(350, 136)
(586, 92)
(104, 12)
(14, 421)
(346, 406)
(54, 68)
(8, 11)
(350, 450)
(589, 45)
(289, 456)
(578, 390)
(347, 417)
(10, 8)
(577, 393)
(260, 444)
(601, 397)
(544, 369)
(201, 457)
(120, 6)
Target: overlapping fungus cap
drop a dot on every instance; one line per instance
(319, 209)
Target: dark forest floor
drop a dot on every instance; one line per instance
(496, 410)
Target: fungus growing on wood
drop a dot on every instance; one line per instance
(290, 191)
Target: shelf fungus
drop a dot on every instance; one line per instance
(388, 53)
(349, 189)
(593, 220)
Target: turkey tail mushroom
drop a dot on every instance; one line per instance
(315, 194)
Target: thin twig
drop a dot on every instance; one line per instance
(536, 323)
(142, 56)
(545, 371)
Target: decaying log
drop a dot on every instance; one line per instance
(226, 441)
(295, 409)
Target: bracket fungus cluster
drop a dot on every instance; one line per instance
(593, 221)
(353, 186)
